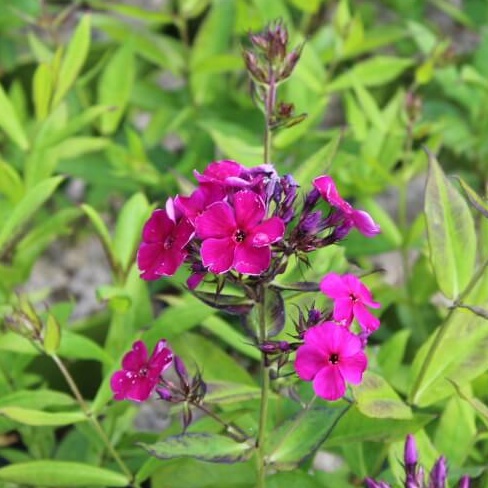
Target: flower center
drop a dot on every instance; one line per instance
(353, 297)
(239, 235)
(334, 358)
(168, 243)
(143, 372)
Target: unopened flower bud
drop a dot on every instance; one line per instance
(164, 394)
(290, 62)
(314, 317)
(311, 200)
(180, 368)
(252, 65)
(464, 482)
(410, 454)
(438, 474)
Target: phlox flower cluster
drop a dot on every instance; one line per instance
(244, 224)
(243, 220)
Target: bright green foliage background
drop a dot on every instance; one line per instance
(130, 101)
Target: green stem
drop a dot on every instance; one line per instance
(263, 413)
(442, 331)
(94, 421)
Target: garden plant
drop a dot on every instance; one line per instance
(244, 243)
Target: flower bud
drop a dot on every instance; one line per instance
(438, 474)
(464, 482)
(410, 454)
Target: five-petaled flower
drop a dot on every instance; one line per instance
(236, 236)
(164, 237)
(350, 216)
(139, 374)
(351, 298)
(330, 357)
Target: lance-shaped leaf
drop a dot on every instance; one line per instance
(298, 286)
(480, 408)
(376, 398)
(474, 199)
(451, 232)
(29, 416)
(300, 436)
(61, 473)
(10, 122)
(206, 447)
(271, 311)
(228, 303)
(52, 334)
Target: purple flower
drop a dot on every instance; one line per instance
(351, 298)
(237, 237)
(330, 357)
(350, 216)
(464, 482)
(162, 250)
(139, 374)
(438, 474)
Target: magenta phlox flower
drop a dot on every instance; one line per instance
(226, 173)
(206, 194)
(351, 299)
(164, 237)
(330, 357)
(350, 216)
(237, 237)
(140, 374)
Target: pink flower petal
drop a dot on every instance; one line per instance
(364, 223)
(251, 260)
(309, 361)
(360, 291)
(343, 310)
(157, 227)
(161, 358)
(353, 367)
(328, 190)
(249, 209)
(218, 254)
(329, 383)
(268, 232)
(136, 358)
(333, 286)
(365, 318)
(120, 382)
(140, 390)
(182, 233)
(319, 337)
(217, 221)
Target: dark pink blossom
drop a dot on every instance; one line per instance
(330, 357)
(237, 237)
(139, 374)
(351, 299)
(164, 237)
(349, 215)
(206, 194)
(224, 173)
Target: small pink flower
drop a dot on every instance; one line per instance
(206, 194)
(225, 173)
(351, 298)
(164, 237)
(139, 374)
(352, 217)
(236, 236)
(330, 357)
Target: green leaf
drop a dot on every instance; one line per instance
(102, 232)
(224, 392)
(26, 209)
(376, 71)
(42, 89)
(376, 398)
(232, 304)
(191, 473)
(474, 199)
(478, 406)
(52, 334)
(73, 60)
(78, 146)
(61, 473)
(29, 416)
(451, 232)
(115, 87)
(300, 436)
(11, 184)
(77, 346)
(272, 312)
(10, 123)
(456, 432)
(356, 427)
(293, 479)
(129, 228)
(36, 399)
(206, 447)
(118, 299)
